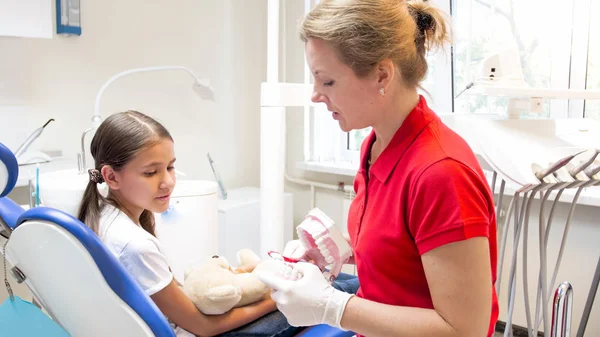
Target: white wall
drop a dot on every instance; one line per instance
(224, 40)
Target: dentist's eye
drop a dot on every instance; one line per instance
(170, 168)
(328, 84)
(149, 174)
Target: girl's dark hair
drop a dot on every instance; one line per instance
(117, 140)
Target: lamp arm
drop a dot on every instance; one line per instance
(96, 119)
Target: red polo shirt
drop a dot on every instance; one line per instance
(425, 190)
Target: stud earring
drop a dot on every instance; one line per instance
(382, 91)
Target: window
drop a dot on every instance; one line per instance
(592, 107)
(355, 138)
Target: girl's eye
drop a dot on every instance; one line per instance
(170, 168)
(328, 84)
(149, 174)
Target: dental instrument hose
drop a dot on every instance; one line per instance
(542, 277)
(500, 197)
(525, 282)
(546, 294)
(494, 176)
(498, 205)
(504, 237)
(4, 258)
(543, 273)
(518, 218)
(565, 233)
(499, 229)
(541, 284)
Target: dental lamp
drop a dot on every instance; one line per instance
(200, 86)
(501, 75)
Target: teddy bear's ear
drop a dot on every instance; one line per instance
(221, 261)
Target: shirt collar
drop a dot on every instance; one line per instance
(411, 127)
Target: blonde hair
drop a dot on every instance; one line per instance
(365, 32)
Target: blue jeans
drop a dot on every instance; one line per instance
(275, 324)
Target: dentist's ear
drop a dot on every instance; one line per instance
(110, 177)
(385, 73)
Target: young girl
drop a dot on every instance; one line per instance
(134, 155)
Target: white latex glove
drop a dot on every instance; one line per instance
(307, 301)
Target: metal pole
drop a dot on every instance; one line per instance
(562, 311)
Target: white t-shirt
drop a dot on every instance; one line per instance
(138, 251)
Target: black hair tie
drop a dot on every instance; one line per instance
(425, 22)
(95, 176)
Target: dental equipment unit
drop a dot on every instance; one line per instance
(73, 276)
(552, 170)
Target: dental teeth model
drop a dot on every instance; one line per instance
(324, 243)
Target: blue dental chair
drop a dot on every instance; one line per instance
(72, 275)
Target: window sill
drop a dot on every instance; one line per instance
(340, 168)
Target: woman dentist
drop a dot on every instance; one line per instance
(422, 225)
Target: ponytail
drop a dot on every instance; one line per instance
(147, 221)
(91, 206)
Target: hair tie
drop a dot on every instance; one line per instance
(425, 22)
(95, 176)
(423, 19)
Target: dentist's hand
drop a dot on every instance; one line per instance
(307, 301)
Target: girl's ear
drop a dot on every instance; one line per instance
(110, 177)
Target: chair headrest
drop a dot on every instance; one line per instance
(9, 170)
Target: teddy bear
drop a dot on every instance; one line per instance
(215, 287)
